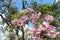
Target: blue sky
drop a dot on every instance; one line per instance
(19, 3)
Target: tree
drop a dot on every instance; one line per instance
(5, 6)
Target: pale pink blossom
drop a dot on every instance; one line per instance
(21, 21)
(52, 35)
(37, 33)
(14, 21)
(34, 31)
(51, 28)
(35, 17)
(46, 24)
(57, 33)
(41, 27)
(49, 18)
(24, 18)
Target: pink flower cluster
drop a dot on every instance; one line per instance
(49, 18)
(21, 21)
(45, 29)
(35, 17)
(42, 31)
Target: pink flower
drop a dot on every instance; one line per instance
(21, 21)
(57, 33)
(24, 18)
(46, 24)
(52, 35)
(34, 31)
(37, 32)
(51, 31)
(35, 17)
(49, 18)
(51, 28)
(41, 27)
(39, 13)
(14, 21)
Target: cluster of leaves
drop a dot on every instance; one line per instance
(18, 15)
